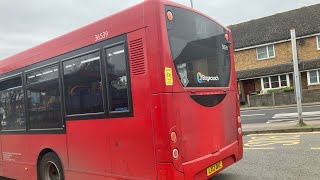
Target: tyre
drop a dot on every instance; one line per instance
(50, 167)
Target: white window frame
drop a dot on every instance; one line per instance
(318, 77)
(279, 81)
(318, 42)
(268, 56)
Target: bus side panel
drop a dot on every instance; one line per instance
(1, 158)
(20, 153)
(121, 147)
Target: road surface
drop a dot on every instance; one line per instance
(277, 157)
(282, 114)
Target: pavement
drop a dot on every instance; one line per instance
(277, 156)
(279, 119)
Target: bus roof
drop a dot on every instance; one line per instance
(122, 22)
(116, 24)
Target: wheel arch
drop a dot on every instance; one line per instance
(40, 156)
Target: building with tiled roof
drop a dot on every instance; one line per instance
(263, 53)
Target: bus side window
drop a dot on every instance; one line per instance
(117, 79)
(44, 99)
(12, 114)
(82, 79)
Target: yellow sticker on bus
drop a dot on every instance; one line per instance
(168, 76)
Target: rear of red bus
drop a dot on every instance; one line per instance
(196, 105)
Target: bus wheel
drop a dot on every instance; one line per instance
(51, 167)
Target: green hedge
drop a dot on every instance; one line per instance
(287, 89)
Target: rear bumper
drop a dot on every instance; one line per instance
(197, 169)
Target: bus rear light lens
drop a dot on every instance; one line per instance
(239, 119)
(175, 153)
(239, 130)
(227, 37)
(169, 15)
(173, 136)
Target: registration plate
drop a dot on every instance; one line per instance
(214, 168)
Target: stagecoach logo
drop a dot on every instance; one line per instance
(201, 78)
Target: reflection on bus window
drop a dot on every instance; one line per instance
(117, 79)
(43, 75)
(12, 114)
(83, 88)
(44, 105)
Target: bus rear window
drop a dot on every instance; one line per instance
(199, 49)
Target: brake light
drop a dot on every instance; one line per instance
(227, 37)
(173, 136)
(169, 15)
(175, 153)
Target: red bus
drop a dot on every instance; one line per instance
(147, 93)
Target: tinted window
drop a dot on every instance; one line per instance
(199, 49)
(117, 78)
(43, 75)
(44, 104)
(11, 83)
(12, 105)
(83, 88)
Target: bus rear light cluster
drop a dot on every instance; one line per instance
(175, 153)
(173, 136)
(169, 15)
(239, 130)
(239, 119)
(227, 37)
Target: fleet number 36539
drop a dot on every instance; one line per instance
(101, 36)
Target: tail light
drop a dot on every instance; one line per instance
(175, 153)
(173, 136)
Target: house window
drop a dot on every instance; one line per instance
(266, 83)
(265, 52)
(313, 77)
(274, 82)
(318, 42)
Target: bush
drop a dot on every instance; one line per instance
(287, 89)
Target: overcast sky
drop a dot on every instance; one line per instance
(24, 24)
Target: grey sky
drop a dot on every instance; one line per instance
(24, 24)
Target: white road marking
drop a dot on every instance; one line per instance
(315, 148)
(273, 134)
(258, 148)
(248, 115)
(288, 115)
(274, 108)
(291, 119)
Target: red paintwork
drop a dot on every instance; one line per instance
(138, 147)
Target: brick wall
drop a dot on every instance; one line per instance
(307, 50)
(283, 98)
(247, 59)
(314, 86)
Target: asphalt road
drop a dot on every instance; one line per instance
(277, 157)
(274, 115)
